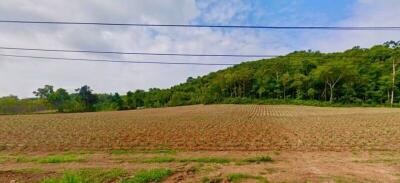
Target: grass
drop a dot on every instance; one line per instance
(120, 151)
(88, 176)
(392, 161)
(206, 160)
(64, 158)
(339, 179)
(212, 180)
(238, 177)
(159, 160)
(146, 176)
(258, 159)
(168, 159)
(3, 159)
(29, 170)
(155, 151)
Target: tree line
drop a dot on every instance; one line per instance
(358, 76)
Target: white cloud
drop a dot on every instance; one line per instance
(365, 13)
(22, 76)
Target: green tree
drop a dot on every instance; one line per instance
(59, 99)
(130, 100)
(44, 92)
(117, 100)
(86, 97)
(332, 73)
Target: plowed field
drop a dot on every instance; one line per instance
(210, 127)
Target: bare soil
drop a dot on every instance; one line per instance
(306, 143)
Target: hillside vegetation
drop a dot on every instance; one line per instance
(357, 76)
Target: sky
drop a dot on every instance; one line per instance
(21, 76)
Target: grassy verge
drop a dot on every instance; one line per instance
(89, 176)
(4, 159)
(166, 159)
(258, 159)
(29, 170)
(238, 177)
(159, 160)
(64, 158)
(206, 160)
(217, 160)
(155, 151)
(146, 176)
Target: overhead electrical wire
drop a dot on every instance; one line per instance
(155, 54)
(116, 61)
(137, 53)
(358, 28)
(136, 62)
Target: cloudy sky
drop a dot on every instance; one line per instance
(20, 76)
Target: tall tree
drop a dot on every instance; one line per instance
(130, 100)
(86, 96)
(117, 100)
(332, 73)
(44, 92)
(59, 98)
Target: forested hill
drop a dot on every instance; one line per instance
(357, 77)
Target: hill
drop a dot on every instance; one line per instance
(357, 77)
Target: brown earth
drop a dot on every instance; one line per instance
(317, 144)
(374, 166)
(213, 127)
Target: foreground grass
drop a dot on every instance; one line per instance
(217, 160)
(64, 158)
(159, 160)
(29, 170)
(206, 160)
(234, 178)
(113, 175)
(258, 159)
(155, 151)
(89, 176)
(168, 159)
(146, 176)
(238, 177)
(3, 159)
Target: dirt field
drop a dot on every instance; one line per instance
(210, 142)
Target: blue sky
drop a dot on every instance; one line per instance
(21, 76)
(278, 13)
(288, 12)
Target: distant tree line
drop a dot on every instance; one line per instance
(357, 76)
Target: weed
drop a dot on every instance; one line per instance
(65, 158)
(258, 159)
(212, 180)
(206, 160)
(120, 151)
(159, 160)
(4, 159)
(155, 151)
(237, 177)
(29, 170)
(160, 151)
(88, 176)
(153, 175)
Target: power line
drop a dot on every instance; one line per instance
(358, 28)
(117, 61)
(161, 54)
(138, 53)
(146, 62)
(150, 53)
